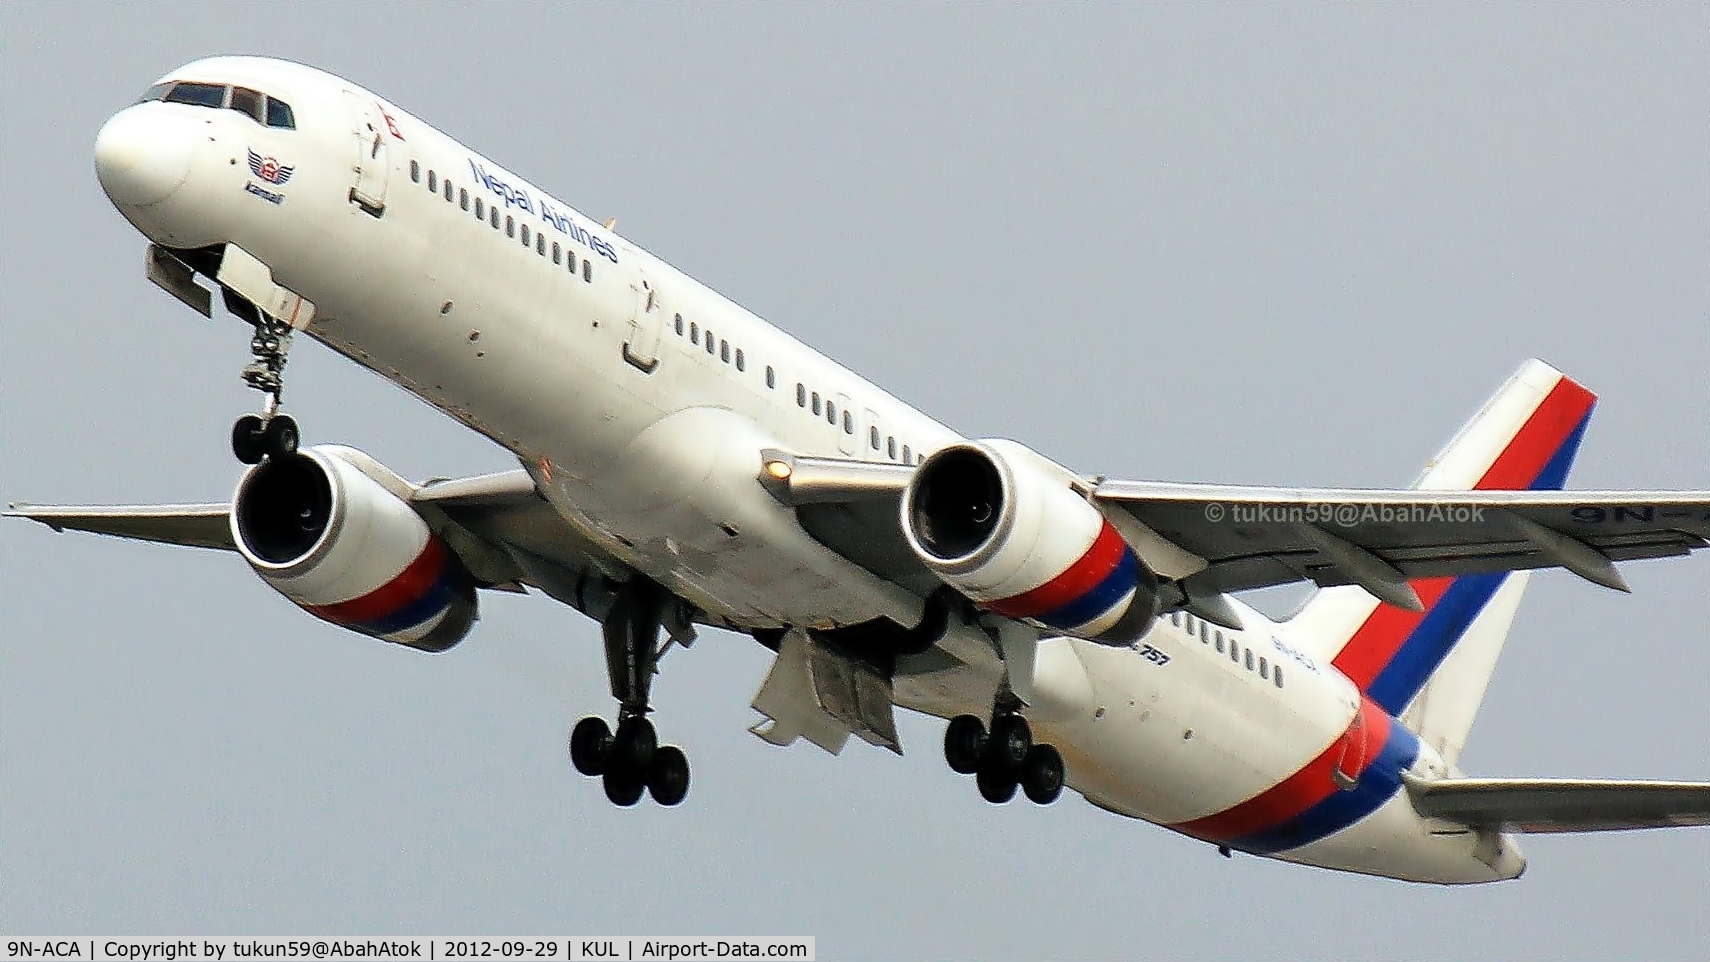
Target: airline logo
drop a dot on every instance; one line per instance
(269, 169)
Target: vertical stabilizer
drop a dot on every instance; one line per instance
(1430, 668)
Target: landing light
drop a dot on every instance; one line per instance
(779, 469)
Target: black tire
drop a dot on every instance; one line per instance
(623, 787)
(282, 436)
(1010, 741)
(996, 785)
(590, 746)
(634, 745)
(964, 743)
(248, 444)
(1042, 774)
(668, 779)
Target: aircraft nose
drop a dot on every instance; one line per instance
(142, 155)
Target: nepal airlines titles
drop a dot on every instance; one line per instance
(518, 197)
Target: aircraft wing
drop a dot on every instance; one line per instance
(1225, 538)
(191, 525)
(499, 526)
(1563, 805)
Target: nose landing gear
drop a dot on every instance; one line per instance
(269, 434)
(1003, 759)
(630, 761)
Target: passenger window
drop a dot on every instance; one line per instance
(1264, 668)
(480, 209)
(587, 270)
(771, 377)
(463, 198)
(679, 325)
(906, 458)
(415, 172)
(873, 436)
(493, 215)
(830, 413)
(524, 227)
(741, 362)
(1176, 618)
(570, 259)
(1205, 631)
(540, 244)
(694, 333)
(1276, 677)
(279, 115)
(1220, 642)
(450, 197)
(1234, 652)
(801, 395)
(712, 343)
(724, 351)
(848, 422)
(891, 447)
(1249, 659)
(816, 406)
(433, 182)
(511, 226)
(198, 95)
(558, 258)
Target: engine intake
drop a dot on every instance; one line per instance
(342, 547)
(1009, 529)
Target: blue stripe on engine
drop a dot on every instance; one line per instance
(1122, 579)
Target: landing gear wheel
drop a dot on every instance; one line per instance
(668, 779)
(590, 746)
(996, 785)
(623, 786)
(249, 439)
(964, 743)
(282, 436)
(1042, 774)
(634, 745)
(1009, 744)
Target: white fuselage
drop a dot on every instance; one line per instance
(640, 399)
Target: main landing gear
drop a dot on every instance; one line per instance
(630, 761)
(1004, 758)
(269, 434)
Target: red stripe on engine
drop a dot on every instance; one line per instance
(1539, 438)
(409, 586)
(1081, 577)
(1312, 784)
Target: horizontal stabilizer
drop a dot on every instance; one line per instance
(1563, 804)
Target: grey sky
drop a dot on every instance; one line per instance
(1278, 244)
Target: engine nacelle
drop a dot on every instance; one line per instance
(1008, 528)
(345, 549)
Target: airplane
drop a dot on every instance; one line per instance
(685, 464)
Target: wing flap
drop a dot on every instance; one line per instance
(1546, 805)
(191, 525)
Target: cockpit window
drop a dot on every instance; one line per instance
(251, 103)
(155, 92)
(279, 115)
(199, 95)
(247, 101)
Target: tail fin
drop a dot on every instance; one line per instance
(1431, 668)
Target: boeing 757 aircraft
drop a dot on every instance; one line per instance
(683, 463)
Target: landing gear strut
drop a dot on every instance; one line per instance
(1003, 759)
(269, 434)
(630, 761)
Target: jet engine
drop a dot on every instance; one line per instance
(1015, 532)
(347, 550)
